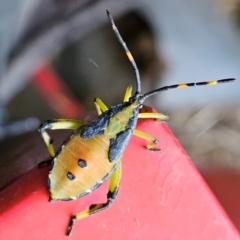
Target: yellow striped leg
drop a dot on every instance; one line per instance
(54, 124)
(94, 208)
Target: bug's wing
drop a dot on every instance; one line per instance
(118, 144)
(96, 126)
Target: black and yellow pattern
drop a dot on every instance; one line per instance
(185, 85)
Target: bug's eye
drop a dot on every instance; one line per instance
(111, 113)
(130, 100)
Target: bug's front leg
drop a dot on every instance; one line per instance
(94, 208)
(54, 124)
(128, 94)
(100, 106)
(158, 116)
(154, 141)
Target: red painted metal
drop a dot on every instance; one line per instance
(56, 92)
(225, 183)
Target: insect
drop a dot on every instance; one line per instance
(92, 153)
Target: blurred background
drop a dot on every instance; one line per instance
(57, 56)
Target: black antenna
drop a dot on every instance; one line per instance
(129, 55)
(185, 85)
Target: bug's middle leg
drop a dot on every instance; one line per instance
(94, 208)
(54, 124)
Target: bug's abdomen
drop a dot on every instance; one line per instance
(81, 166)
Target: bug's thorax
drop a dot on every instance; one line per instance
(126, 118)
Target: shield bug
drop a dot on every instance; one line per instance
(92, 153)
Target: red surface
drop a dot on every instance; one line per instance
(162, 196)
(54, 90)
(225, 183)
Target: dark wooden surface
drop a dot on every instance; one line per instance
(19, 154)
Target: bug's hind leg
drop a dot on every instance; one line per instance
(153, 141)
(54, 124)
(94, 208)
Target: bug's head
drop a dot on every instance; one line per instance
(137, 99)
